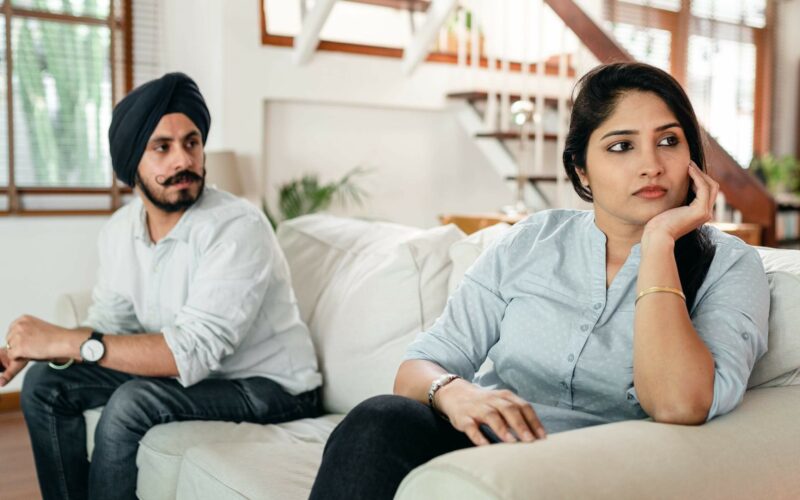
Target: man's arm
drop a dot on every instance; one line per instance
(145, 354)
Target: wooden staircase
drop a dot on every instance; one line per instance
(742, 192)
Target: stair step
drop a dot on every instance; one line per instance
(536, 178)
(479, 95)
(512, 135)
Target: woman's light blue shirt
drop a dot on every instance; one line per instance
(537, 305)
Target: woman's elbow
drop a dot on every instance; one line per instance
(683, 413)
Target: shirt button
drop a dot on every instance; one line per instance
(563, 385)
(584, 328)
(630, 397)
(571, 358)
(745, 336)
(598, 305)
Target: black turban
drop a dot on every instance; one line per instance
(137, 115)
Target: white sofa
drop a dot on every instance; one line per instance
(365, 289)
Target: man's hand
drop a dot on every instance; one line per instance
(467, 406)
(30, 338)
(8, 367)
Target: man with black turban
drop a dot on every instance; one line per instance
(192, 318)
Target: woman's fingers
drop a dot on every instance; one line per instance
(510, 418)
(530, 424)
(474, 433)
(705, 190)
(494, 419)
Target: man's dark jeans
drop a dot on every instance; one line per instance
(53, 402)
(379, 442)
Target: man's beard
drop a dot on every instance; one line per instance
(185, 198)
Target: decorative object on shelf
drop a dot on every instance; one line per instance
(778, 174)
(307, 195)
(522, 112)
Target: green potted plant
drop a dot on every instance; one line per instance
(308, 195)
(780, 175)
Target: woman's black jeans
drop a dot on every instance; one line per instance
(379, 442)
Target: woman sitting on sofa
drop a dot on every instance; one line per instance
(631, 310)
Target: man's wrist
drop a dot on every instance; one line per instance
(69, 343)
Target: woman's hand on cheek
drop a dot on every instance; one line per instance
(679, 221)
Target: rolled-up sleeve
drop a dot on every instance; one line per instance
(225, 296)
(732, 319)
(460, 339)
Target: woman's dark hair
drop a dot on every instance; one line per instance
(600, 91)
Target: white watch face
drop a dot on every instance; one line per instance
(92, 350)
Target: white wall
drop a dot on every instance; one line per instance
(41, 259)
(248, 75)
(423, 164)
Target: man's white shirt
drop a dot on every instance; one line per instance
(217, 286)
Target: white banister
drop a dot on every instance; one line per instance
(306, 42)
(505, 91)
(563, 118)
(418, 46)
(538, 122)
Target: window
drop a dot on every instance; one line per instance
(63, 64)
(718, 50)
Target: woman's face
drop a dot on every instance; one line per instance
(636, 162)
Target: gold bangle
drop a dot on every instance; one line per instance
(656, 289)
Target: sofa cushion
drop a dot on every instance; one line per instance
(164, 448)
(365, 290)
(781, 364)
(249, 470)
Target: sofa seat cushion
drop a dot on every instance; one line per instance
(272, 471)
(162, 449)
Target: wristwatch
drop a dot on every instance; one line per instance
(93, 349)
(438, 384)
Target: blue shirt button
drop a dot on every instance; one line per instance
(571, 358)
(563, 385)
(598, 305)
(584, 328)
(745, 336)
(630, 397)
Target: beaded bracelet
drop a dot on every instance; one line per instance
(61, 367)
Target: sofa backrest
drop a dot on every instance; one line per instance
(365, 289)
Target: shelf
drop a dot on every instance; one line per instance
(512, 135)
(480, 95)
(536, 178)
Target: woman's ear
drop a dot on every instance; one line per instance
(581, 171)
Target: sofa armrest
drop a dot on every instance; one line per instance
(752, 452)
(72, 308)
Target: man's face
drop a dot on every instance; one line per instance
(171, 173)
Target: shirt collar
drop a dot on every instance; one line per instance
(598, 237)
(179, 232)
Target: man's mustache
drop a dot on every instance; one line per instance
(182, 176)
